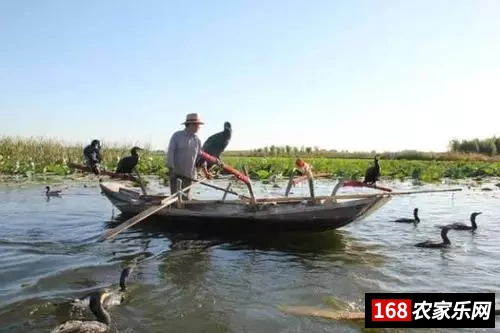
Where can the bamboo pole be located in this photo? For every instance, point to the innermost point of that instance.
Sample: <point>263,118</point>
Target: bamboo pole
<point>141,183</point>
<point>179,193</point>
<point>290,182</point>
<point>327,198</point>
<point>228,188</point>
<point>337,186</point>
<point>310,180</point>
<point>352,196</point>
<point>249,184</point>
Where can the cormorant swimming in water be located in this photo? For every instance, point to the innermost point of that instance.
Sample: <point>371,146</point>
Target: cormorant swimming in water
<point>49,193</point>
<point>128,163</point>
<point>462,226</point>
<point>78,326</point>
<point>217,143</point>
<point>92,155</point>
<point>372,173</point>
<point>432,244</point>
<point>113,296</point>
<point>116,297</point>
<point>414,220</point>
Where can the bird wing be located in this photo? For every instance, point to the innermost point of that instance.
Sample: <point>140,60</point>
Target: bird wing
<point>126,164</point>
<point>368,172</point>
<point>119,166</point>
<point>210,141</point>
<point>404,219</point>
<point>225,144</point>
<point>213,144</point>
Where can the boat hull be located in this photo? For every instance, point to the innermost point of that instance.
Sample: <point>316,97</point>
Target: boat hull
<point>238,216</point>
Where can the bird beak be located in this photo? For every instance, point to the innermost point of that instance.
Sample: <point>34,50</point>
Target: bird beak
<point>104,296</point>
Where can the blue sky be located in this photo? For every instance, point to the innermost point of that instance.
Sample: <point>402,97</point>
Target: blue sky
<point>356,75</point>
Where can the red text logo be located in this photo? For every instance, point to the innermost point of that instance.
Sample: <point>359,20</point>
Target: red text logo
<point>391,310</point>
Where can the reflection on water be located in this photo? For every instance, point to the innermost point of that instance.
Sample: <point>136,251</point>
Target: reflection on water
<point>232,283</point>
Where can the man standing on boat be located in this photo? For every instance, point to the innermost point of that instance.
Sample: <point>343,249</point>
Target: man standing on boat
<point>183,151</point>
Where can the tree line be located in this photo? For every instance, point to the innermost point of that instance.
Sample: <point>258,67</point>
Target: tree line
<point>476,149</point>
<point>488,146</point>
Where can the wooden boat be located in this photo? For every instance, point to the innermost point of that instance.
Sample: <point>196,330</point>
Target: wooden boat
<point>283,214</point>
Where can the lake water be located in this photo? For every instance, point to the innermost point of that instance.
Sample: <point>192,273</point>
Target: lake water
<point>50,254</point>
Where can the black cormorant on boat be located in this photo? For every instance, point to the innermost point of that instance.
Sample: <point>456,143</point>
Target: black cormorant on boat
<point>55,193</point>
<point>217,143</point>
<point>413,220</point>
<point>463,226</point>
<point>372,173</point>
<point>79,326</point>
<point>128,163</point>
<point>92,155</point>
<point>433,244</point>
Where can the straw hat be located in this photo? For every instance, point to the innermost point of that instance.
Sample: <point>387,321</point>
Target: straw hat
<point>193,118</point>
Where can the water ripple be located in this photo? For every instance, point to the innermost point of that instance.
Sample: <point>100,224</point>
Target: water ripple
<point>50,252</point>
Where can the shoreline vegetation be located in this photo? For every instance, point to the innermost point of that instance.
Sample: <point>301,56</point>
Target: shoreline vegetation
<point>475,159</point>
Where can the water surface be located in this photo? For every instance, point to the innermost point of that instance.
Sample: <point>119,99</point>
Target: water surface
<point>50,254</point>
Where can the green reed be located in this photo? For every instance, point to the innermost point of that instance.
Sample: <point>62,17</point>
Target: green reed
<point>20,156</point>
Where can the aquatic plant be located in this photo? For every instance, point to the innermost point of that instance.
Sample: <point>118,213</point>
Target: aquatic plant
<point>21,156</point>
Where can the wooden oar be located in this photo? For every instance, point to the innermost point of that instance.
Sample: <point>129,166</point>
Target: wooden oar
<point>353,196</point>
<point>323,313</point>
<point>241,196</point>
<point>146,213</point>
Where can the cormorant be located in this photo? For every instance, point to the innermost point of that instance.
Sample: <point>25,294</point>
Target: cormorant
<point>217,143</point>
<point>372,173</point>
<point>113,296</point>
<point>432,244</point>
<point>49,193</point>
<point>92,155</point>
<point>462,226</point>
<point>128,163</point>
<point>80,326</point>
<point>414,220</point>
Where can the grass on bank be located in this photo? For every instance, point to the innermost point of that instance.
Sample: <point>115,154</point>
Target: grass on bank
<point>20,156</point>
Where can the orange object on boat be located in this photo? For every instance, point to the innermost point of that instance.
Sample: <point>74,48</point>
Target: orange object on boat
<point>300,163</point>
<point>304,168</point>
